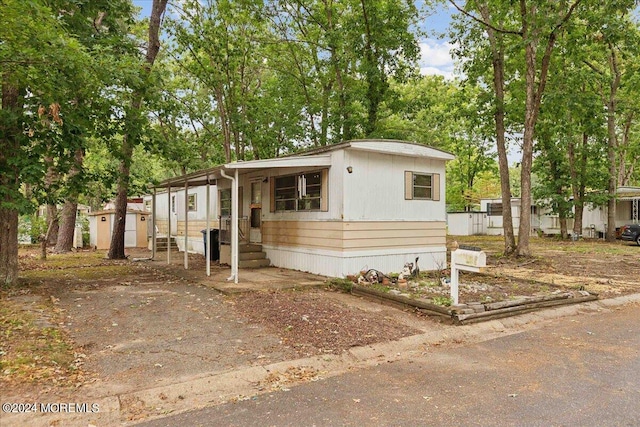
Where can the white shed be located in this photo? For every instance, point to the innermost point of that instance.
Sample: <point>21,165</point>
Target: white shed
<point>466,223</point>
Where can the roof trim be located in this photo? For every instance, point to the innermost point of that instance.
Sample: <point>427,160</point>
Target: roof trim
<point>112,211</point>
<point>282,162</point>
<point>310,158</point>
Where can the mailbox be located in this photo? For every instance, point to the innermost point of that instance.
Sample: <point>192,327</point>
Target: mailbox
<point>472,259</point>
<point>469,260</point>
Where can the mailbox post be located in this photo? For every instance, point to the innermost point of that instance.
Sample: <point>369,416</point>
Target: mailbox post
<point>471,259</point>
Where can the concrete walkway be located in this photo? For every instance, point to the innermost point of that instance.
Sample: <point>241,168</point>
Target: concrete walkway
<point>250,279</point>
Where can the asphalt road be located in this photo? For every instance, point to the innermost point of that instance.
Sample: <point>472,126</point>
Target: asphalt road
<point>576,371</point>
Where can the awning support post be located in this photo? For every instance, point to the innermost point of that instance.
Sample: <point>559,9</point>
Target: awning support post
<point>186,224</point>
<point>234,224</point>
<point>153,225</point>
<point>169,225</point>
<point>207,250</point>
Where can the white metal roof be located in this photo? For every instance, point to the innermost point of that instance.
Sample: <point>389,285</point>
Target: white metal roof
<point>311,158</point>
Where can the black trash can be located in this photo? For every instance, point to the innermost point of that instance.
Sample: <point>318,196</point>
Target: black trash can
<point>214,235</point>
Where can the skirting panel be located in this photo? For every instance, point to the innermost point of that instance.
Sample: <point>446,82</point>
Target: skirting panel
<point>194,244</point>
<point>341,264</point>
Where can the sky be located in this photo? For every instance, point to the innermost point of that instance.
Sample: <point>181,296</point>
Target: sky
<point>435,56</point>
<point>434,52</point>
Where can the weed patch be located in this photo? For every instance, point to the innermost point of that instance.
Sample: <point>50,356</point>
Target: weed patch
<point>31,352</point>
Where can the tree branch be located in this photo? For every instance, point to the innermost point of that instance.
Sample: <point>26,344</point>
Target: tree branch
<point>483,22</point>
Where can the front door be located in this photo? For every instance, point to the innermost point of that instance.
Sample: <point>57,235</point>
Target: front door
<point>173,214</point>
<point>255,233</point>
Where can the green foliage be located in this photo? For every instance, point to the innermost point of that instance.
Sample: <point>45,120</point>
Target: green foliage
<point>83,221</point>
<point>443,114</point>
<point>442,300</point>
<point>344,285</point>
<point>32,226</point>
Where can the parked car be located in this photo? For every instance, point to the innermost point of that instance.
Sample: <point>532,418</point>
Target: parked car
<point>631,233</point>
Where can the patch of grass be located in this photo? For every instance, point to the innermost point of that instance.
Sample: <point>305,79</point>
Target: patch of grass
<point>380,288</point>
<point>442,300</point>
<point>30,259</point>
<point>344,285</point>
<point>33,353</point>
<point>79,273</point>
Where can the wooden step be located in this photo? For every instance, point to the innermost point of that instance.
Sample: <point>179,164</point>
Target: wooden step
<point>250,247</point>
<point>247,256</point>
<point>161,244</point>
<point>254,263</point>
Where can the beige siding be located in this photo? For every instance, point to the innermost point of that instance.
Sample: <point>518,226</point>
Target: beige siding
<point>314,234</point>
<point>141,230</point>
<point>194,227</point>
<point>338,235</point>
<point>104,231</point>
<point>163,226</point>
<point>396,234</point>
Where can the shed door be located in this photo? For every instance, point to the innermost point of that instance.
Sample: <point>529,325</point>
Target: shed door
<point>173,214</point>
<point>130,227</point>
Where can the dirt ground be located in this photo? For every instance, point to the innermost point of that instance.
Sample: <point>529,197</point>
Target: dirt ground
<point>607,269</point>
<point>556,267</point>
<point>81,325</point>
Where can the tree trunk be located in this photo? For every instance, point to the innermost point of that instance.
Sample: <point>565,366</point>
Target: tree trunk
<point>564,232</point>
<point>64,242</point>
<point>374,77</point>
<point>344,133</point>
<point>8,246</point>
<point>52,223</point>
<point>612,147</point>
<point>626,171</point>
<point>44,239</point>
<point>10,183</point>
<point>503,161</point>
<point>611,157</point>
<point>577,182</point>
<point>116,249</point>
<point>534,90</point>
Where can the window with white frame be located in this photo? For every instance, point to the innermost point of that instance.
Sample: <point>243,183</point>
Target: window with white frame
<point>421,186</point>
<point>192,202</point>
<point>300,192</point>
<point>225,202</point>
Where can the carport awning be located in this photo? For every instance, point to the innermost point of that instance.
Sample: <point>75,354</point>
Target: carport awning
<point>211,175</point>
<point>231,171</point>
<point>628,193</point>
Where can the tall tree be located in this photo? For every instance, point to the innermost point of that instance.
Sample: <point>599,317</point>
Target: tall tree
<point>536,24</point>
<point>613,50</point>
<point>443,113</point>
<point>132,128</point>
<point>42,64</point>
